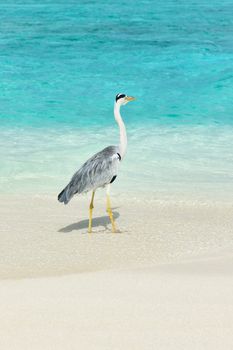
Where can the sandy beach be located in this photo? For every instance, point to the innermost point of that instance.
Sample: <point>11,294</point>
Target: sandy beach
<point>41,237</point>
<point>164,281</point>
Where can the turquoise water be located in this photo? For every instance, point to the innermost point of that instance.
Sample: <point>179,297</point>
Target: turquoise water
<point>62,63</point>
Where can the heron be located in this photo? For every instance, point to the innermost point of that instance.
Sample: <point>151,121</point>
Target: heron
<point>101,169</point>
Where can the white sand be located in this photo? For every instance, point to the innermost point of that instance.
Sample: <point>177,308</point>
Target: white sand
<point>164,282</point>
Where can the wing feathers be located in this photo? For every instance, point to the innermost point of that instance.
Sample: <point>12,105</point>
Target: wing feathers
<point>96,172</point>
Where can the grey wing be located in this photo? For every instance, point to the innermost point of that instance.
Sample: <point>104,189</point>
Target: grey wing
<point>97,171</point>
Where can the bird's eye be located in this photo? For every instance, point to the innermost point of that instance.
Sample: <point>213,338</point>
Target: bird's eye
<point>118,96</point>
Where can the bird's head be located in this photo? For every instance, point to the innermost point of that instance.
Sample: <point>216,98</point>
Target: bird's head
<point>122,99</point>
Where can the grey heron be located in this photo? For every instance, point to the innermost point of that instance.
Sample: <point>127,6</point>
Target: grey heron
<point>101,169</point>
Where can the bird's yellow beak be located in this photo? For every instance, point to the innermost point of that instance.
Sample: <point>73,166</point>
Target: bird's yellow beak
<point>130,98</point>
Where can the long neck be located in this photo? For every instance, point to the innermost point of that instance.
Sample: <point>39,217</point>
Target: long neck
<point>123,135</point>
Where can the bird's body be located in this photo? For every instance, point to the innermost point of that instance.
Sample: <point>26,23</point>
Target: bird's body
<point>101,169</point>
<point>98,171</point>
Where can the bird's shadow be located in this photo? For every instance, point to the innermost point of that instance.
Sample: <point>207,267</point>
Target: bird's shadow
<point>103,221</point>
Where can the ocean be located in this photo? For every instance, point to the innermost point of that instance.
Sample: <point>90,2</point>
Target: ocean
<point>63,62</point>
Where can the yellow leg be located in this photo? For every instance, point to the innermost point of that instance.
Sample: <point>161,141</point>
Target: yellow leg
<point>90,212</point>
<point>109,210</point>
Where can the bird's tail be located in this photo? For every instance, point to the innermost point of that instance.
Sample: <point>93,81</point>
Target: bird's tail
<point>63,196</point>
